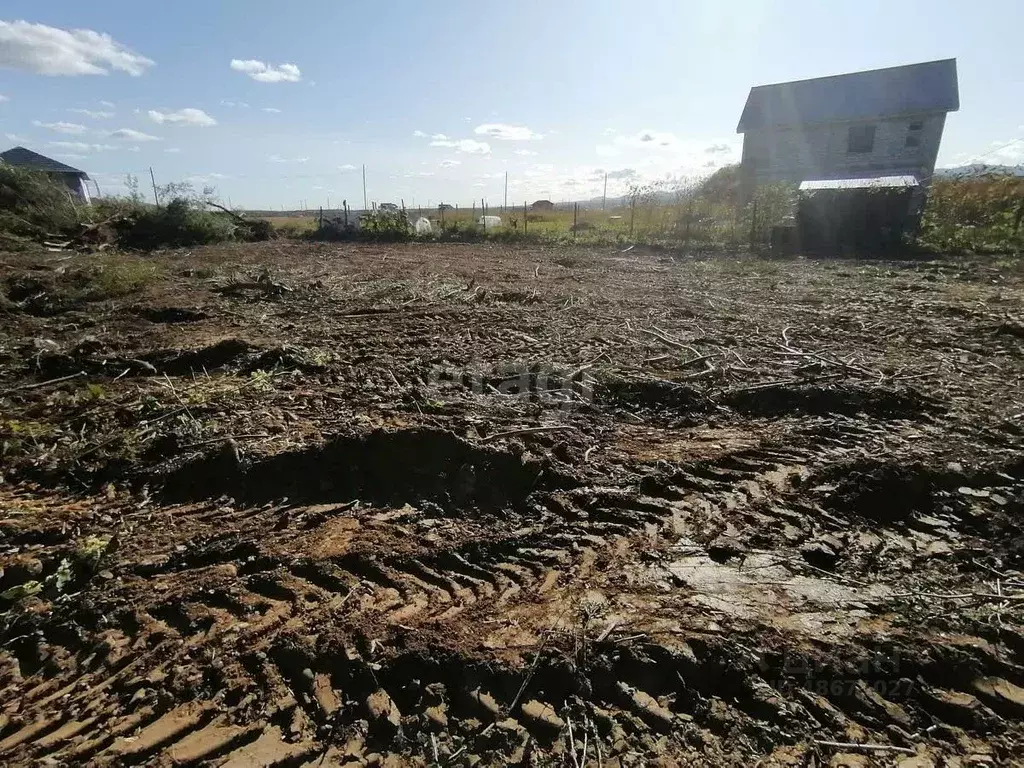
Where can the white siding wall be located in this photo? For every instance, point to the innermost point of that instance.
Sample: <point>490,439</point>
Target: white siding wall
<point>820,151</point>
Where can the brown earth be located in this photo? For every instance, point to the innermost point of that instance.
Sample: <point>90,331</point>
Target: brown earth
<point>315,505</point>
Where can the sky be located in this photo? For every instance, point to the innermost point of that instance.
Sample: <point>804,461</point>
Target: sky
<point>282,106</point>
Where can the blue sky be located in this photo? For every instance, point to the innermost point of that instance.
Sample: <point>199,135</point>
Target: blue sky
<point>277,104</point>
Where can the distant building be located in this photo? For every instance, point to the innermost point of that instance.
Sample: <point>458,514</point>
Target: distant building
<point>542,205</point>
<point>74,179</point>
<point>878,123</point>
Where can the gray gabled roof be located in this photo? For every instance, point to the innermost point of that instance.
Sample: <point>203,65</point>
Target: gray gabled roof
<point>915,88</point>
<point>26,158</point>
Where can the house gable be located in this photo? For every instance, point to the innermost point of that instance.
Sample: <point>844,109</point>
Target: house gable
<point>891,92</point>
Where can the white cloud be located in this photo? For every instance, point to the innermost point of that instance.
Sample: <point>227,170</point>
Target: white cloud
<point>4,98</point>
<point>418,174</point>
<point>107,104</point>
<point>419,134</point>
<point>267,73</point>
<point>96,114</point>
<point>1005,153</point>
<point>16,138</point>
<point>469,146</point>
<point>205,178</point>
<point>538,170</point>
<point>271,110</point>
<point>657,153</point>
<point>81,146</point>
<point>450,163</point>
<point>1009,152</point>
<point>506,132</point>
<point>129,134</point>
<point>525,152</point>
<point>623,174</point>
<point>172,150</point>
<point>439,137</point>
<point>187,116</point>
<point>134,149</point>
<point>70,156</point>
<point>240,104</point>
<point>47,50</point>
<point>279,159</point>
<point>648,139</point>
<point>60,127</point>
<point>346,167</point>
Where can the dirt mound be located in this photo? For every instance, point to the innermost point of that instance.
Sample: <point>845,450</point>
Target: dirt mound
<point>384,467</point>
<point>228,354</point>
<point>658,396</point>
<point>824,400</point>
<point>651,395</point>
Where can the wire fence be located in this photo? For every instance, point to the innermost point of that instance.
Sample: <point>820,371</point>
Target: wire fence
<point>686,215</point>
<point>970,213</point>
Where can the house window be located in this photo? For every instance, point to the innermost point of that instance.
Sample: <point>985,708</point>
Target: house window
<point>913,141</point>
<point>860,139</point>
<point>917,125</point>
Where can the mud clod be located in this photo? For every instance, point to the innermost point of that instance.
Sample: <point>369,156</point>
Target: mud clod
<point>543,717</point>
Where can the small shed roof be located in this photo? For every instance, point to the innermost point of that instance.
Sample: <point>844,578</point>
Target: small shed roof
<point>927,87</point>
<point>26,158</point>
<point>874,182</point>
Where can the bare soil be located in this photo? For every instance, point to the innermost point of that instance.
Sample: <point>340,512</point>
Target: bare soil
<point>287,504</point>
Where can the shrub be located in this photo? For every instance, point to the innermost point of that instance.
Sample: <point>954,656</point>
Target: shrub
<point>180,223</point>
<point>34,205</point>
<point>975,214</point>
<point>385,225</point>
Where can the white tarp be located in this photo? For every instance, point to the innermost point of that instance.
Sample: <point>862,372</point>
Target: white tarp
<point>490,222</point>
<point>422,226</point>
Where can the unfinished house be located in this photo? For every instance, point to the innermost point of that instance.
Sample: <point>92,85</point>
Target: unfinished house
<point>852,135</point>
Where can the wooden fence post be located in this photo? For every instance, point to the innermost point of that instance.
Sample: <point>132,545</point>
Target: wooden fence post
<point>526,221</point>
<point>575,218</point>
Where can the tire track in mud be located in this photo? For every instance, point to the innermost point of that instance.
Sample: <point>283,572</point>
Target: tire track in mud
<point>252,650</point>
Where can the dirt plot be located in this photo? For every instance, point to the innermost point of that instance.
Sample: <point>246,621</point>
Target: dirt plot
<point>284,504</point>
